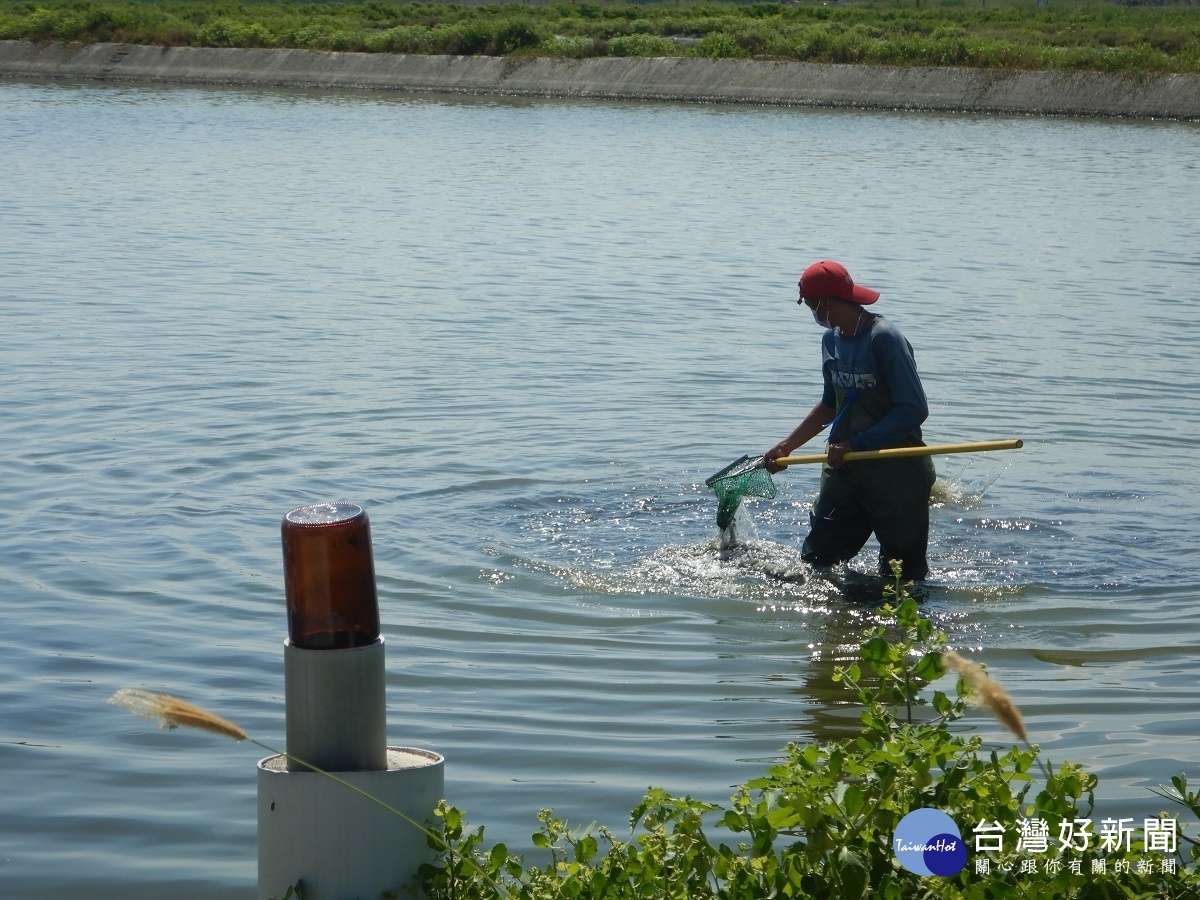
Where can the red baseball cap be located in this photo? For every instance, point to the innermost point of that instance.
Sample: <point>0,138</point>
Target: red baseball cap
<point>830,279</point>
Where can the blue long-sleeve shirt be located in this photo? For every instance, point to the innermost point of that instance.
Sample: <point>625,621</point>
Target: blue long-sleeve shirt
<point>877,364</point>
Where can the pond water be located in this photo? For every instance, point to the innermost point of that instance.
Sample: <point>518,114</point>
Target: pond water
<point>520,335</point>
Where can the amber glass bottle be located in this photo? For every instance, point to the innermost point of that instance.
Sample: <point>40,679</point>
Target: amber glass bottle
<point>329,577</point>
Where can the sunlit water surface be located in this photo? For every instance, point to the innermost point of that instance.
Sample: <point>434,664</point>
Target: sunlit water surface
<point>521,334</point>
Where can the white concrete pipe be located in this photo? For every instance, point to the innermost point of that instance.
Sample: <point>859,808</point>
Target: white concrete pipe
<point>336,843</point>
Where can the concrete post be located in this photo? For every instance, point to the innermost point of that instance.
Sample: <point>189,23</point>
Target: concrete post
<point>313,829</point>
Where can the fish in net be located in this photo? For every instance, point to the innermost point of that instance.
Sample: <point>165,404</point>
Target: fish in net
<point>746,477</point>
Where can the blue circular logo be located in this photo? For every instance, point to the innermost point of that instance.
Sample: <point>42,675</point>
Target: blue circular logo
<point>927,842</point>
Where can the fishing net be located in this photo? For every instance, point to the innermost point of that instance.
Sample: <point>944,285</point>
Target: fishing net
<point>744,478</point>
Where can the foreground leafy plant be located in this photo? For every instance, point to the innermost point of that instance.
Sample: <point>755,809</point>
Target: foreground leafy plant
<point>821,823</point>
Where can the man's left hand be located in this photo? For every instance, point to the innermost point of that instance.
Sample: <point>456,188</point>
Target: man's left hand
<point>837,454</point>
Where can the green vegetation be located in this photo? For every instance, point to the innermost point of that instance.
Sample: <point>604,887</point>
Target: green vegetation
<point>821,823</point>
<point>1063,35</point>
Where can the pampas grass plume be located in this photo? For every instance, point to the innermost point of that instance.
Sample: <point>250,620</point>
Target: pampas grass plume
<point>171,712</point>
<point>987,692</point>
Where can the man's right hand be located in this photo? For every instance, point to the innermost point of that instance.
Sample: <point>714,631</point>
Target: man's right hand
<point>773,454</point>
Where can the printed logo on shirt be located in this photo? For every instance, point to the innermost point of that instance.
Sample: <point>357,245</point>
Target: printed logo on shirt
<point>856,380</point>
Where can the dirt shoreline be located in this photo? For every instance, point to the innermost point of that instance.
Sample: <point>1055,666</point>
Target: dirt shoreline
<point>751,82</point>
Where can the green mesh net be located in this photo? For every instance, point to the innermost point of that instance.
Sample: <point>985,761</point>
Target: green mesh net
<point>745,477</point>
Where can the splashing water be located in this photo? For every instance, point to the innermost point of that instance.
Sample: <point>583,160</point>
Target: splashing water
<point>958,490</point>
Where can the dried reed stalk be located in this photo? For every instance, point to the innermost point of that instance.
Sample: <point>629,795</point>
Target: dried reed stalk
<point>987,692</point>
<point>171,712</point>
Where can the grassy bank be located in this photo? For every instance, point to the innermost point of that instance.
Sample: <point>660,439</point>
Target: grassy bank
<point>1079,35</point>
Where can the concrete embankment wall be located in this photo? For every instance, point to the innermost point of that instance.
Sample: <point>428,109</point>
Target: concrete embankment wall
<point>664,79</point>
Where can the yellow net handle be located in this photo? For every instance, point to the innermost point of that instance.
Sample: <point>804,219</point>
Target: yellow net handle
<point>897,452</point>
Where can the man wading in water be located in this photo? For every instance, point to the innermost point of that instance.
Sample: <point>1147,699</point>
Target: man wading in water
<point>873,399</point>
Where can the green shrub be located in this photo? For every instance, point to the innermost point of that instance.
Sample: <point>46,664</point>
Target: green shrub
<point>468,38</point>
<point>512,35</point>
<point>226,32</point>
<point>573,47</point>
<point>719,45</point>
<point>647,45</point>
<point>42,24</point>
<point>476,37</point>
<point>322,36</point>
<point>1189,58</point>
<point>401,39</point>
<point>764,10</point>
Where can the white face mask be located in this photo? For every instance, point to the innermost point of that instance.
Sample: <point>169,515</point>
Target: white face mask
<point>824,323</point>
